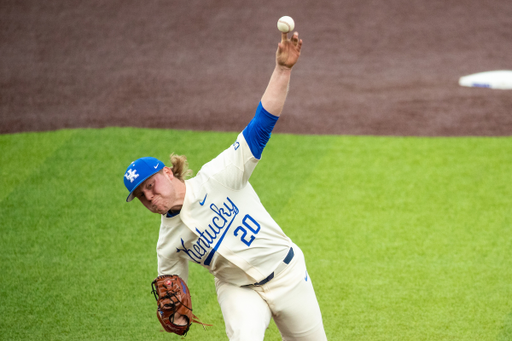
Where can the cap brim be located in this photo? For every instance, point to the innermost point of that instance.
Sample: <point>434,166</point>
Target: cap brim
<point>130,197</point>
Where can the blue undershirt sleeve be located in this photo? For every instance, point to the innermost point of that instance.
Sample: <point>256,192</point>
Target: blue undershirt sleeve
<point>258,131</point>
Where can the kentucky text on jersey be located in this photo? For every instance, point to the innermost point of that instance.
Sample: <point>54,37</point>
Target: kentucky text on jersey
<point>222,219</point>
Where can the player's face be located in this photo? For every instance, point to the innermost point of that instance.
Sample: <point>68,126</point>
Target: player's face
<point>159,193</point>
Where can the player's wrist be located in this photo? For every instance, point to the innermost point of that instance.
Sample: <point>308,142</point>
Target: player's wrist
<point>283,68</point>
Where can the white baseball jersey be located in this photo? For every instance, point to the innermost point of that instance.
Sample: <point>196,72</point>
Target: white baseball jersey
<point>222,225</point>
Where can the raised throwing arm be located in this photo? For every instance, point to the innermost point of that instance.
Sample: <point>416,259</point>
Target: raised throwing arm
<point>288,52</point>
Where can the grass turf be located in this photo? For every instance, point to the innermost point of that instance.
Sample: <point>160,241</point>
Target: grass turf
<point>405,238</point>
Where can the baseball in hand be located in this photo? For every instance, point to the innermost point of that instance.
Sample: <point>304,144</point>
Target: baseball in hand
<point>285,24</point>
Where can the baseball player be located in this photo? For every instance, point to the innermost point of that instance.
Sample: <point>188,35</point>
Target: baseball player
<point>216,220</point>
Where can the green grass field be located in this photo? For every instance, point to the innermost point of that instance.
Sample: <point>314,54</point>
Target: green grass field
<point>405,238</point>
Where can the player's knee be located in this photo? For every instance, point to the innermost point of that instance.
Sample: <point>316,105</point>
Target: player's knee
<point>245,328</point>
<point>246,334</point>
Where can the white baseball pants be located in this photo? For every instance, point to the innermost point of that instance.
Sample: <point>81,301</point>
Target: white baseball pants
<point>289,298</point>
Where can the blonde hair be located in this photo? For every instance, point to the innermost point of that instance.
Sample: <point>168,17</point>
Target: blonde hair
<point>179,166</point>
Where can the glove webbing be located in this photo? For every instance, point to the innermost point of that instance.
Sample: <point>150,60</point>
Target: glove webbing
<point>169,295</point>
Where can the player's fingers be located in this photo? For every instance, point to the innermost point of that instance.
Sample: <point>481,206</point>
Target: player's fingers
<point>295,38</point>
<point>284,37</point>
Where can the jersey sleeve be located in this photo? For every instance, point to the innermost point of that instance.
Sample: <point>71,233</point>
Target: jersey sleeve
<point>168,239</point>
<point>176,266</point>
<point>234,166</point>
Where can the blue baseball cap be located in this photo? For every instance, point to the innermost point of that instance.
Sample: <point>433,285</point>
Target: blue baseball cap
<point>140,170</point>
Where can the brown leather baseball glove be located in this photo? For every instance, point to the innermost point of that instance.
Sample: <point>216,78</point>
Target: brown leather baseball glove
<point>173,301</point>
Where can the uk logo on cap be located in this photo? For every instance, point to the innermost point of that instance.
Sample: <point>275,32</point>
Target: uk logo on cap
<point>131,175</point>
<point>139,171</point>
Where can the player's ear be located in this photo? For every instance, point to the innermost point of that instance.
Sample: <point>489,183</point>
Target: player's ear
<point>168,172</point>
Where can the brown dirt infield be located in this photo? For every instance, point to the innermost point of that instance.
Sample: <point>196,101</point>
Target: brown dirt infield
<point>367,68</point>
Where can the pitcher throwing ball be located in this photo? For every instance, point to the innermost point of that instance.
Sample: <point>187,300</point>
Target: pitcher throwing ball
<point>216,220</point>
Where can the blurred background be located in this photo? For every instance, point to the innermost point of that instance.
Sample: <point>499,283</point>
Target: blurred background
<point>367,68</point>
